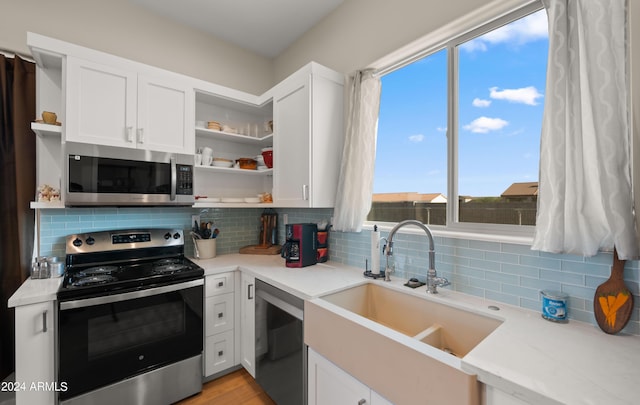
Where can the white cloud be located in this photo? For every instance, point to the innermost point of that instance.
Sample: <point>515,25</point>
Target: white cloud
<point>416,138</point>
<point>524,95</point>
<point>441,129</point>
<point>478,102</point>
<point>520,32</point>
<point>483,125</point>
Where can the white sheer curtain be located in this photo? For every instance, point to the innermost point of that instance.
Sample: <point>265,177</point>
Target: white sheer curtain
<point>585,200</point>
<point>355,187</point>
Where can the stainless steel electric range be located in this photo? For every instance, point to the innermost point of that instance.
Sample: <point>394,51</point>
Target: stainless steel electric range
<point>130,319</point>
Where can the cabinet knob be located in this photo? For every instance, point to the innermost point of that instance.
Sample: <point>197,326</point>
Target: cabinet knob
<point>362,401</point>
<point>140,135</point>
<point>129,134</point>
<point>44,322</point>
<point>220,353</point>
<point>220,315</point>
<point>221,284</point>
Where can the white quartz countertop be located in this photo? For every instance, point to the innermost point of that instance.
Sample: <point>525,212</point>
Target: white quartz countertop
<point>34,291</point>
<point>533,359</point>
<point>306,282</point>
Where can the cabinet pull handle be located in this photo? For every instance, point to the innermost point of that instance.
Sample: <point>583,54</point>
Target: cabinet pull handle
<point>140,135</point>
<point>129,134</point>
<point>221,283</point>
<point>221,315</point>
<point>249,291</point>
<point>362,401</point>
<point>305,192</point>
<point>220,353</point>
<point>44,322</point>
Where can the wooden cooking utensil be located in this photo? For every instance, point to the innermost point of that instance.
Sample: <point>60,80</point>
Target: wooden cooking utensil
<point>266,237</point>
<point>613,302</point>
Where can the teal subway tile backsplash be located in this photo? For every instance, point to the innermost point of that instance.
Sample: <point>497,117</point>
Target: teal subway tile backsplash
<point>504,272</point>
<point>238,227</point>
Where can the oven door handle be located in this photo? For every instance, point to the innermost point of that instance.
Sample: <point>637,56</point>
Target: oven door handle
<point>89,302</point>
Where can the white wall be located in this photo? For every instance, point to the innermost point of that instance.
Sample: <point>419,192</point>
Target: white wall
<point>360,32</point>
<point>121,28</point>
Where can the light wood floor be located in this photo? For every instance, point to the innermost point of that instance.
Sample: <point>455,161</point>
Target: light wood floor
<point>233,389</point>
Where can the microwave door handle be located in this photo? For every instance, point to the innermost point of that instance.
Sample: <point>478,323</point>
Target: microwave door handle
<point>174,178</point>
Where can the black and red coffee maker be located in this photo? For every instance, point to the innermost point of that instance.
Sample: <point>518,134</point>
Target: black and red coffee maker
<point>300,247</point>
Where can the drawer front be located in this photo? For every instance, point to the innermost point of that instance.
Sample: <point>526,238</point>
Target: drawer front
<point>219,284</point>
<point>219,314</point>
<point>218,352</point>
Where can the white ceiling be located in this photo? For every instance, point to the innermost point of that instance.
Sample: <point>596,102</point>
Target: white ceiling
<point>266,27</point>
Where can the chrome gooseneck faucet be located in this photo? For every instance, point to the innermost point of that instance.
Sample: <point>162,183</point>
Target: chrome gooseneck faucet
<point>433,281</point>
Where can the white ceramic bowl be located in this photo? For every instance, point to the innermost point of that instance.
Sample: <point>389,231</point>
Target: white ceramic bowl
<point>222,163</point>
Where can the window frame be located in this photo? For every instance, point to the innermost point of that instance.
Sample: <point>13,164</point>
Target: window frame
<point>450,38</point>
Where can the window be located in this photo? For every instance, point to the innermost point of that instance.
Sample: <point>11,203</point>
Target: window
<point>459,129</point>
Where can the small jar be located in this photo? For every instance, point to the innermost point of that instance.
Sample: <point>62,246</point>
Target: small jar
<point>40,268</point>
<point>56,266</point>
<point>554,306</point>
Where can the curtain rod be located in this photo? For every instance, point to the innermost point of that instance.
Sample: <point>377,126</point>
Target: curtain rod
<point>10,54</point>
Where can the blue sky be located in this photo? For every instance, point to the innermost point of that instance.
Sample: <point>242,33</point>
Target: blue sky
<point>501,97</point>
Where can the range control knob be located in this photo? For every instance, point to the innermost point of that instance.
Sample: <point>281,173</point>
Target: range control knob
<point>176,235</point>
<point>90,241</point>
<point>77,242</point>
<point>167,235</point>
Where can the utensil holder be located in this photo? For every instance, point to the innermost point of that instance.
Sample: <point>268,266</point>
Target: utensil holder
<point>206,248</point>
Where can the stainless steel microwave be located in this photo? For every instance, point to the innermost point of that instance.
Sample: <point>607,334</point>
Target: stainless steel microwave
<point>105,175</point>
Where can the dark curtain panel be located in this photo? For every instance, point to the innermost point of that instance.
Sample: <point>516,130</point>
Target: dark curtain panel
<point>17,188</point>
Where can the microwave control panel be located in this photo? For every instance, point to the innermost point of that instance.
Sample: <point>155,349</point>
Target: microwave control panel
<point>184,184</point>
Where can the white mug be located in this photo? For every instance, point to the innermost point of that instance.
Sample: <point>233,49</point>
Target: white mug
<point>207,151</point>
<point>206,160</point>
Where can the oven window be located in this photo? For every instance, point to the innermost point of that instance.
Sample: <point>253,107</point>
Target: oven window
<point>124,330</point>
<point>88,174</point>
<point>105,343</point>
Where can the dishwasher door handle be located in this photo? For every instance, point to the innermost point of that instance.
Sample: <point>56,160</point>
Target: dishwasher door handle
<point>279,303</point>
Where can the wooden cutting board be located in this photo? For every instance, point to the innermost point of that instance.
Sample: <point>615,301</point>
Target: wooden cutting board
<point>261,250</point>
<point>613,302</point>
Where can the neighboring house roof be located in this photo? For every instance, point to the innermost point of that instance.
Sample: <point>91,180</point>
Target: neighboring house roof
<point>529,189</point>
<point>410,196</point>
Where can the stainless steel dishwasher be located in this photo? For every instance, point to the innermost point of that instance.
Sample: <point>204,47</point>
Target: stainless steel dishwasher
<point>281,355</point>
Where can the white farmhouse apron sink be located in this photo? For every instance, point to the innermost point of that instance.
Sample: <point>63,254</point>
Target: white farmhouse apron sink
<point>404,345</point>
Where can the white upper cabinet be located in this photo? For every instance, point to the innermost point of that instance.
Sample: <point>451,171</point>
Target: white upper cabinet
<point>308,123</point>
<point>103,99</point>
<point>109,105</point>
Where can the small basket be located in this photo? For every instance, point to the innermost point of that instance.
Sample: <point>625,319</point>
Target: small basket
<point>247,163</point>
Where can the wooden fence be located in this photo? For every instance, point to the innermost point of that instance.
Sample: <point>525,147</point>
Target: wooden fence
<point>511,213</point>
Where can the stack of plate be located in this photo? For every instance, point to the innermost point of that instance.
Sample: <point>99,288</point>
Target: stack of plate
<point>215,125</point>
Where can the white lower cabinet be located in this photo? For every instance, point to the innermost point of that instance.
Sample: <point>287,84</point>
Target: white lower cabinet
<point>330,385</point>
<point>247,323</point>
<point>35,348</point>
<point>219,324</point>
<point>219,351</point>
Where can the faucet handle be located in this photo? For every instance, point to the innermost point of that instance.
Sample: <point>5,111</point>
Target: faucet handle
<point>441,282</point>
